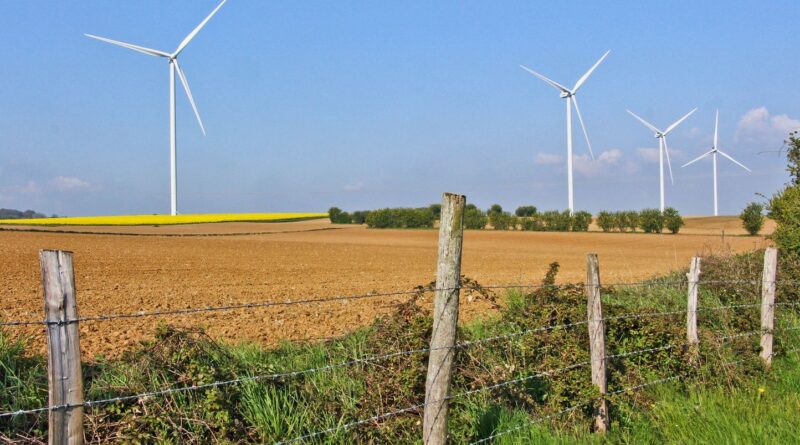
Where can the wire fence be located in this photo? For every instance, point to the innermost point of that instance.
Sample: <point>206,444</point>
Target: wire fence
<point>526,375</point>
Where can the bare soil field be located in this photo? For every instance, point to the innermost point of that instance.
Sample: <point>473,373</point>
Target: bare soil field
<point>296,261</point>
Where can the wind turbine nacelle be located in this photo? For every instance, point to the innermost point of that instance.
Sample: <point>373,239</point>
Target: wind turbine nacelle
<point>565,94</point>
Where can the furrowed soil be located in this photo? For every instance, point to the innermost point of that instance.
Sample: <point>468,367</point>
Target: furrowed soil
<point>235,263</point>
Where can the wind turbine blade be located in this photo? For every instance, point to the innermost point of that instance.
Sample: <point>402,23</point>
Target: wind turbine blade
<point>580,119</point>
<point>669,163</point>
<point>734,161</point>
<point>189,94</point>
<point>196,30</point>
<point>716,127</point>
<point>647,124</point>
<point>672,127</point>
<point>580,81</point>
<point>141,49</point>
<point>698,158</point>
<point>552,83</point>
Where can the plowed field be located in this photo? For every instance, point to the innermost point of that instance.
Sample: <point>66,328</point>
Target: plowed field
<point>251,262</point>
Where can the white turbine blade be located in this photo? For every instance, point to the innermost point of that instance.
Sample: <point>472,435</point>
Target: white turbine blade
<point>580,81</point>
<point>647,124</point>
<point>734,161</point>
<point>672,127</point>
<point>716,127</point>
<point>189,94</point>
<point>669,163</point>
<point>698,158</point>
<point>196,30</point>
<point>580,119</point>
<point>141,49</point>
<point>552,83</point>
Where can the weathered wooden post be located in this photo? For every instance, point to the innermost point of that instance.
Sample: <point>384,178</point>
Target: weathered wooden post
<point>445,319</point>
<point>63,348</point>
<point>693,277</point>
<point>597,339</point>
<point>768,303</point>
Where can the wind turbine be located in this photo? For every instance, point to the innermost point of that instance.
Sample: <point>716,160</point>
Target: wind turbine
<point>569,95</point>
<point>662,148</point>
<point>713,153</point>
<point>172,59</point>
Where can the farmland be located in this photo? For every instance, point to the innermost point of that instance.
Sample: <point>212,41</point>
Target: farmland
<point>307,259</point>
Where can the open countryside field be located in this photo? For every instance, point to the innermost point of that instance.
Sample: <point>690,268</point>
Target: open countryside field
<point>302,260</point>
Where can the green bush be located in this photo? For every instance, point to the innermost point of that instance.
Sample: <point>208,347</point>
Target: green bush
<point>753,218</point>
<point>651,221</point>
<point>359,216</point>
<point>436,209</point>
<point>784,206</point>
<point>631,218</point>
<point>503,221</point>
<point>495,208</point>
<point>607,221</point>
<point>673,220</point>
<point>524,211</point>
<point>400,218</point>
<point>474,218</point>
<point>337,216</point>
<point>581,221</point>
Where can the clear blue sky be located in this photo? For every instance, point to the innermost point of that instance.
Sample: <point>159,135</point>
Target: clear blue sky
<point>371,104</point>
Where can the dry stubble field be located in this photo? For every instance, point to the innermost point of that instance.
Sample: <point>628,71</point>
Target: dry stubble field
<point>257,262</point>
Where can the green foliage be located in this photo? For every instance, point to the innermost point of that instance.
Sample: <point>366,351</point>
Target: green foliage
<point>337,216</point>
<point>793,156</point>
<point>651,221</point>
<point>436,209</point>
<point>503,221</point>
<point>673,220</point>
<point>525,211</point>
<point>784,206</point>
<point>581,221</point>
<point>752,218</point>
<point>359,216</point>
<point>495,208</point>
<point>474,218</point>
<point>630,219</point>
<point>400,218</point>
<point>607,221</point>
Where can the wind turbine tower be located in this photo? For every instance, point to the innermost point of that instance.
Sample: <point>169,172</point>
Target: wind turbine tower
<point>713,153</point>
<point>572,99</point>
<point>174,67</point>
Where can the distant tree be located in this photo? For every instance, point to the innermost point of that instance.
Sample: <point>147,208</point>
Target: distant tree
<point>474,218</point>
<point>581,221</point>
<point>752,218</point>
<point>673,220</point>
<point>525,211</point>
<point>359,216</point>
<point>470,207</point>
<point>651,221</point>
<point>631,219</point>
<point>436,209</point>
<point>784,206</point>
<point>495,208</point>
<point>337,216</point>
<point>606,221</point>
<point>502,220</point>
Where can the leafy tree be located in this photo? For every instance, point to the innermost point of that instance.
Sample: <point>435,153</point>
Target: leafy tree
<point>784,206</point>
<point>631,218</point>
<point>581,221</point>
<point>606,221</point>
<point>495,208</point>
<point>474,218</point>
<point>502,221</point>
<point>752,218</point>
<point>651,221</point>
<point>337,216</point>
<point>436,209</point>
<point>525,211</point>
<point>673,220</point>
<point>359,216</point>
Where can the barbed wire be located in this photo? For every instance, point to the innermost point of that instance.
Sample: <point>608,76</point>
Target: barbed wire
<point>739,335</point>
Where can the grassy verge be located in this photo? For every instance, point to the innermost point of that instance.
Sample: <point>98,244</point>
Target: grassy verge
<point>717,402</point>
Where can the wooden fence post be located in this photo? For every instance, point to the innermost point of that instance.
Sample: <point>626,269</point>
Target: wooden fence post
<point>691,306</point>
<point>63,348</point>
<point>597,339</point>
<point>768,303</point>
<point>445,319</point>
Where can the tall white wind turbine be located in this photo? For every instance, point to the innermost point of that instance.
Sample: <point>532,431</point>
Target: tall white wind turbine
<point>662,149</point>
<point>713,153</point>
<point>172,59</point>
<point>569,95</point>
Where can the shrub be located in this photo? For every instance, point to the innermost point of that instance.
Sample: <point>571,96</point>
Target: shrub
<point>502,221</point>
<point>474,218</point>
<point>337,216</point>
<point>359,216</point>
<point>401,218</point>
<point>631,218</point>
<point>436,209</point>
<point>524,211</point>
<point>581,221</point>
<point>752,218</point>
<point>651,221</point>
<point>784,206</point>
<point>495,208</point>
<point>606,221</point>
<point>673,220</point>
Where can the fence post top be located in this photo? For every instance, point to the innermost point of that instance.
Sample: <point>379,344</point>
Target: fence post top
<point>457,196</point>
<point>43,251</point>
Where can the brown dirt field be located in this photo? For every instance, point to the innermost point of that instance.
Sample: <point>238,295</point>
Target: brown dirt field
<point>124,274</point>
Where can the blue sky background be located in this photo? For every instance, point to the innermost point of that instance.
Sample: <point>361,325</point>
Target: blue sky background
<point>371,104</point>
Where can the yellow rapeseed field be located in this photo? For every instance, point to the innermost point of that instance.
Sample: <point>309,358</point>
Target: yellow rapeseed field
<point>150,220</point>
